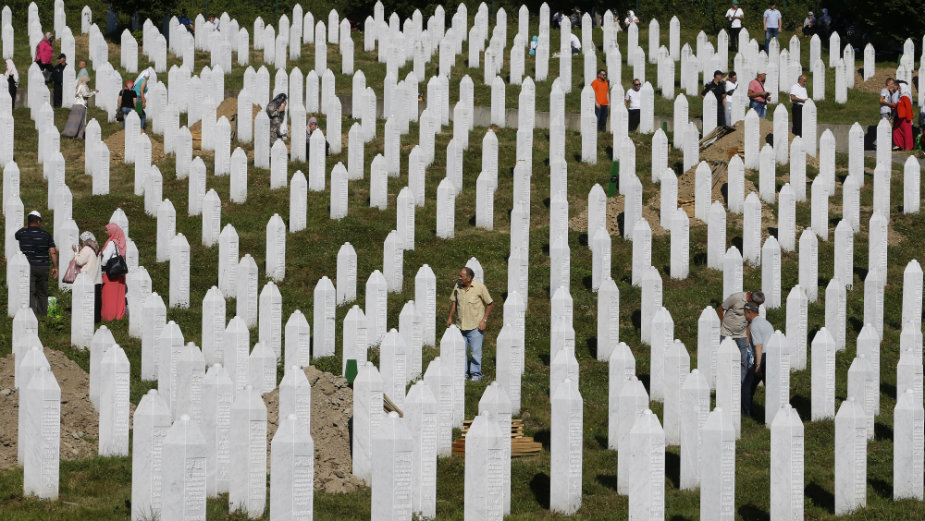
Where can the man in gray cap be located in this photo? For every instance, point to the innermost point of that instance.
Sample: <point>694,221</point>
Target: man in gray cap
<point>760,332</point>
<point>718,88</point>
<point>39,248</point>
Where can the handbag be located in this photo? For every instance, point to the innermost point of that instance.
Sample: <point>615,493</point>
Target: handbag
<point>71,274</point>
<point>116,266</point>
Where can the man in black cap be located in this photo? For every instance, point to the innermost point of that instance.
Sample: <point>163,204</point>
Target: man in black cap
<point>57,76</point>
<point>718,88</point>
<point>39,248</point>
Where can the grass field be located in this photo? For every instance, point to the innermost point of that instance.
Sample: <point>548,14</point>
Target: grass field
<point>99,488</point>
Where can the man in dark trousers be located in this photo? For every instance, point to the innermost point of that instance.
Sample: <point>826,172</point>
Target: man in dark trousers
<point>717,88</point>
<point>39,248</point>
<point>57,76</point>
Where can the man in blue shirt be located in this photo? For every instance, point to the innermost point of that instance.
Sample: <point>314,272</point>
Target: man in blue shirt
<point>772,24</point>
<point>39,248</point>
<point>760,332</point>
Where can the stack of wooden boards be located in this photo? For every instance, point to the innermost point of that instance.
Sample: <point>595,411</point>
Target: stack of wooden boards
<point>520,444</point>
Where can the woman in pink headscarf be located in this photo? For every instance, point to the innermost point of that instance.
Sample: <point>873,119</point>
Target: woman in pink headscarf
<point>113,286</point>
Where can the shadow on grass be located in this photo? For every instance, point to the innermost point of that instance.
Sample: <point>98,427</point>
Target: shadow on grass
<point>608,480</point>
<point>591,343</point>
<point>753,513</point>
<point>543,437</point>
<point>539,485</point>
<point>802,405</point>
<point>882,488</point>
<point>673,468</point>
<point>883,431</point>
<point>602,441</point>
<point>820,497</point>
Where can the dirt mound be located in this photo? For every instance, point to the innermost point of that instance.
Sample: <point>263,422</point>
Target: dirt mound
<point>615,217</point>
<point>116,144</point>
<point>877,81</point>
<point>79,420</point>
<point>332,407</point>
<point>229,109</point>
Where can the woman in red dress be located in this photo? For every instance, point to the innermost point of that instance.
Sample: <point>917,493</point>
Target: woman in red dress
<point>902,125</point>
<point>114,287</point>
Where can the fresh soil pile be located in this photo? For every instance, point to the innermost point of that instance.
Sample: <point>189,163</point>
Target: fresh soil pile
<point>615,217</point>
<point>332,408</point>
<point>878,80</point>
<point>116,144</point>
<point>79,419</point>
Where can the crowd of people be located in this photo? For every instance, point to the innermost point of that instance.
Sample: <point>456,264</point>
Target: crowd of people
<point>896,107</point>
<point>106,267</point>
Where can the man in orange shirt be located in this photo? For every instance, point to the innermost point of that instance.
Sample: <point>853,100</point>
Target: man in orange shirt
<point>601,99</point>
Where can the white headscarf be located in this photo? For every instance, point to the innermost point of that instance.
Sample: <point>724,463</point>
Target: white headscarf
<point>905,90</point>
<point>145,74</point>
<point>11,71</point>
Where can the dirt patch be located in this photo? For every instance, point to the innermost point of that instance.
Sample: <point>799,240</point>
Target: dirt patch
<point>227,108</point>
<point>116,144</point>
<point>734,143</point>
<point>615,217</point>
<point>79,419</point>
<point>877,81</point>
<point>332,407</point>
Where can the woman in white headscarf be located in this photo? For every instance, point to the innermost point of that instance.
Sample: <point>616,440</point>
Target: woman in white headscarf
<point>87,258</point>
<point>902,125</point>
<point>77,119</point>
<point>12,79</point>
<point>631,18</point>
<point>141,99</point>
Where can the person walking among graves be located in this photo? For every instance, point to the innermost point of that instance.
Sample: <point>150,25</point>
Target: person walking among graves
<point>77,119</point>
<point>276,109</point>
<point>902,125</point>
<point>809,24</point>
<point>734,17</point>
<point>126,102</point>
<point>633,100</point>
<point>43,53</point>
<point>82,70</point>
<point>601,88</point>
<point>57,77</point>
<point>471,299</point>
<point>798,97</point>
<point>760,332</point>
<point>631,18</point>
<point>886,99</point>
<point>773,21</point>
<point>733,323</point>
<point>40,249</point>
<point>757,96</point>
<point>717,88</point>
<point>87,258</point>
<point>113,294</point>
<point>140,86</point>
<point>309,130</point>
<point>12,80</point>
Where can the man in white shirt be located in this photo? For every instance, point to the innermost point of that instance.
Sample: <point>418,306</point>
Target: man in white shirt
<point>734,16</point>
<point>634,104</point>
<point>575,43</point>
<point>772,23</point>
<point>798,97</point>
<point>886,99</point>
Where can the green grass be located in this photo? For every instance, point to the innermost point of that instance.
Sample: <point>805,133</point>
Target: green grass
<point>99,488</point>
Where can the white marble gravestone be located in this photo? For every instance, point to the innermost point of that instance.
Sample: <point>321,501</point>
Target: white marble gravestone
<point>151,422</point>
<point>566,449</point>
<point>850,458</point>
<point>324,326</point>
<point>183,472</point>
<point>729,381</point>
<point>248,473</point>
<point>368,416</point>
<point>647,468</point>
<point>114,403</point>
<point>40,400</point>
<point>717,453</point>
<point>246,294</point>
<point>292,471</point>
<point>823,376</point>
<point>787,461</point>
<point>392,472</point>
<point>695,405</point>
